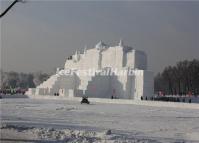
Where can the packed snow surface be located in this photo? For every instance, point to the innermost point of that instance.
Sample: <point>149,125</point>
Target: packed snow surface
<point>39,120</point>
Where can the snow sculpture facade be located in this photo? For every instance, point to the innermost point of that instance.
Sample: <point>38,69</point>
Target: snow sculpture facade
<point>102,72</point>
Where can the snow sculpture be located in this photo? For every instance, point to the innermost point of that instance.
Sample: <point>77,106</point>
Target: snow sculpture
<point>101,72</point>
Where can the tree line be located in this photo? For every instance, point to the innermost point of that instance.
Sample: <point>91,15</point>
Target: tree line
<point>21,80</point>
<point>181,79</point>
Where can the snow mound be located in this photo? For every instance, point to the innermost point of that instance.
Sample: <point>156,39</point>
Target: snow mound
<point>65,135</point>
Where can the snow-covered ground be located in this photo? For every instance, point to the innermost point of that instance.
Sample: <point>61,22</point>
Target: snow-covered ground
<point>49,120</point>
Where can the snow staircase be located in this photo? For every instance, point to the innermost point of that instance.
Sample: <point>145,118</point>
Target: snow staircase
<point>50,83</point>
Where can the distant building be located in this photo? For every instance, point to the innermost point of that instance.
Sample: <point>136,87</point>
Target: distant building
<point>102,72</point>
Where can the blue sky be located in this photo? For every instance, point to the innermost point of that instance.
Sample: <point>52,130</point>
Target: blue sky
<point>40,35</point>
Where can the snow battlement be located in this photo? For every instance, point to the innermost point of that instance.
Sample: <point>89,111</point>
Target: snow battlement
<point>103,56</point>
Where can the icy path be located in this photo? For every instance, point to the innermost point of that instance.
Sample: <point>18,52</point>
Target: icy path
<point>127,122</point>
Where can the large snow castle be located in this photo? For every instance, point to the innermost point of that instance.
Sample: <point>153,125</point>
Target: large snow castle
<point>102,72</point>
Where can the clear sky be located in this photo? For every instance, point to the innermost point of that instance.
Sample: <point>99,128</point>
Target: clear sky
<point>40,35</point>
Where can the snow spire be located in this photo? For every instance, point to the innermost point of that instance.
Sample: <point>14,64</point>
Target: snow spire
<point>77,55</point>
<point>85,49</point>
<point>121,44</point>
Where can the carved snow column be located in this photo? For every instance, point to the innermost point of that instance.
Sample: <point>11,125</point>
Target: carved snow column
<point>100,47</point>
<point>124,58</point>
<point>100,60</point>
